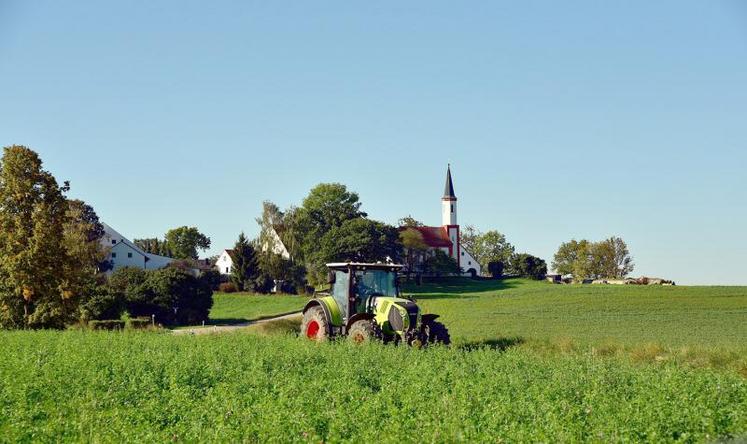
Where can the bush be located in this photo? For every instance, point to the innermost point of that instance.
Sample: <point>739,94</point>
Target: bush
<point>526,265</point>
<point>140,323</point>
<point>227,287</point>
<point>495,268</point>
<point>102,303</point>
<point>108,324</point>
<point>212,278</point>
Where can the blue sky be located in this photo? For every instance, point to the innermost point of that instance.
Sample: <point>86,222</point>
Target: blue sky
<point>560,119</point>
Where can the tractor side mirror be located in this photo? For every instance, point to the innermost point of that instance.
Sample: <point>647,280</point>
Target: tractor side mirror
<point>331,278</point>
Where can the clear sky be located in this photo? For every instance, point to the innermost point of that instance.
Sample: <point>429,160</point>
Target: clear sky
<point>560,119</point>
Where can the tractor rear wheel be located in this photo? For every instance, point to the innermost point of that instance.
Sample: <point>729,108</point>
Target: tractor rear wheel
<point>436,333</point>
<point>315,325</point>
<point>364,331</point>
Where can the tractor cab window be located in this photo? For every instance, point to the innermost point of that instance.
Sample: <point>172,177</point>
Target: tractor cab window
<point>375,283</point>
<point>340,290</point>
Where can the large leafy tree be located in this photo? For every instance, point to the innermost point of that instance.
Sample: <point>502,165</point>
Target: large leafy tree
<point>583,259</point>
<point>526,265</point>
<point>33,211</point>
<point>487,247</point>
<point>244,271</point>
<point>183,242</point>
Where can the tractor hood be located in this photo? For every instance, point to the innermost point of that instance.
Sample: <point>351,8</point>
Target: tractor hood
<point>398,313</point>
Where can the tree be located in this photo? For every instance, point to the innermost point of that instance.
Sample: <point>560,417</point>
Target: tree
<point>183,242</point>
<point>153,245</point>
<point>468,237</point>
<point>409,221</point>
<point>32,217</point>
<point>357,240</point>
<point>244,270</point>
<point>609,258</point>
<point>414,247</point>
<point>84,258</point>
<point>441,263</point>
<point>526,265</point>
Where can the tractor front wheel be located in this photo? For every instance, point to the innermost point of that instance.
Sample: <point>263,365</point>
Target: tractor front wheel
<point>364,331</point>
<point>315,325</point>
<point>436,333</point>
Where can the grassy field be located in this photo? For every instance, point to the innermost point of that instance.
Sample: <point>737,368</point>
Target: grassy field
<point>233,308</point>
<point>145,387</point>
<point>531,361</point>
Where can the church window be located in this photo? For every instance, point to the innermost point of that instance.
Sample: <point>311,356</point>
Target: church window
<point>452,208</point>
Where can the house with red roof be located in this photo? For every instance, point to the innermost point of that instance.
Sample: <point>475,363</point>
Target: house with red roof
<point>446,237</point>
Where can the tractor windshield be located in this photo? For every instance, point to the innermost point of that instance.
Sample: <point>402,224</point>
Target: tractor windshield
<point>375,283</point>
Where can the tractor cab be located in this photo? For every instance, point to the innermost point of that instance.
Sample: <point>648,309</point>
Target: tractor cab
<point>364,303</point>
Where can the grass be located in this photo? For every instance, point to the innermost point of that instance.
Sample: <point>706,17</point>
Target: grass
<point>141,387</point>
<point>531,361</point>
<point>234,308</point>
<point>699,326</point>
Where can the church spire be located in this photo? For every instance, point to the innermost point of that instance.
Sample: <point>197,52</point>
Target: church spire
<point>449,188</point>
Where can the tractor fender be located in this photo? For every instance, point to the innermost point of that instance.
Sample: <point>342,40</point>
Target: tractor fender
<point>330,309</point>
<point>357,317</point>
<point>428,318</point>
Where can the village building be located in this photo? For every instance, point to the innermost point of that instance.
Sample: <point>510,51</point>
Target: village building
<point>446,237</point>
<point>123,253</point>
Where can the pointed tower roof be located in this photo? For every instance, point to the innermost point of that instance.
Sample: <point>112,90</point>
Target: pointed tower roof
<point>449,188</point>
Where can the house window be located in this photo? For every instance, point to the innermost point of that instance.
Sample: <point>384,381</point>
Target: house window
<point>114,241</point>
<point>462,253</point>
<point>227,269</point>
<point>129,254</point>
<point>469,262</point>
<point>114,255</point>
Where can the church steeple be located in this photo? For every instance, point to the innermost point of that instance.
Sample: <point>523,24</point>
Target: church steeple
<point>449,202</point>
<point>449,187</point>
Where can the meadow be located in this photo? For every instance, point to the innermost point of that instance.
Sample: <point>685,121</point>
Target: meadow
<point>531,361</point>
<point>236,308</point>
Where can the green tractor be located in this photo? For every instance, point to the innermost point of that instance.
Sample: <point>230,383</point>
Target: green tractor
<point>364,304</point>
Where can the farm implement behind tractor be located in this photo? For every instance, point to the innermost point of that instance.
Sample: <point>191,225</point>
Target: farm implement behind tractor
<point>364,304</point>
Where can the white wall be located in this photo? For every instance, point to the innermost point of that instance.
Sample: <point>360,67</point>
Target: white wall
<point>466,261</point>
<point>448,217</point>
<point>122,255</point>
<point>224,264</point>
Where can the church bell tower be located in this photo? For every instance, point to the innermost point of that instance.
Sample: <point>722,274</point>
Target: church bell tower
<point>449,215</point>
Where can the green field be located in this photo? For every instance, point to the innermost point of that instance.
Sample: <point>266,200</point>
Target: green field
<point>234,308</point>
<point>531,362</point>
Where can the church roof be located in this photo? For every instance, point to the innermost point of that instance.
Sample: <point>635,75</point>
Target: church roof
<point>434,237</point>
<point>449,187</point>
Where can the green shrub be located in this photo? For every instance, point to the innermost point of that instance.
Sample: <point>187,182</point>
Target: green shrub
<point>141,323</point>
<point>107,324</point>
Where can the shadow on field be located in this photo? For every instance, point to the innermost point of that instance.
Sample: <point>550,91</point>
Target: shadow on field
<point>500,344</point>
<point>457,288</point>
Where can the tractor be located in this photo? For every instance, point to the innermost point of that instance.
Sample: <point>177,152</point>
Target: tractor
<point>364,303</point>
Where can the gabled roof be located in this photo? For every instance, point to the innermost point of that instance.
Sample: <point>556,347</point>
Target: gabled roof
<point>449,187</point>
<point>433,236</point>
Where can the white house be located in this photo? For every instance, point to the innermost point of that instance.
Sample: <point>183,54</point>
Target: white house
<point>224,264</point>
<point>447,236</point>
<point>123,253</point>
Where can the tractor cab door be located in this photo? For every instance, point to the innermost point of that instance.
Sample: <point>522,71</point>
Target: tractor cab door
<point>340,289</point>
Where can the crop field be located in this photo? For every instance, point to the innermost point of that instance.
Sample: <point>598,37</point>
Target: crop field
<point>531,362</point>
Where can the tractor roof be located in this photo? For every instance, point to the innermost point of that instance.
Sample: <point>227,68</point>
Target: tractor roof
<point>362,265</point>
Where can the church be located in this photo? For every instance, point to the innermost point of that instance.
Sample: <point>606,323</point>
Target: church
<point>447,237</point>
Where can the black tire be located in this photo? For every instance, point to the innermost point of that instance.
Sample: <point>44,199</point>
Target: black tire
<point>315,325</point>
<point>436,333</point>
<point>364,331</point>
